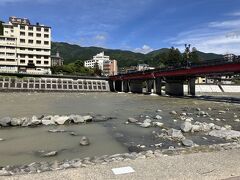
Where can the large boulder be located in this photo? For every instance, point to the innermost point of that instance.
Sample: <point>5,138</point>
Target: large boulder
<point>227,134</point>
<point>16,122</point>
<point>187,142</point>
<point>145,125</point>
<point>84,141</point>
<point>48,122</point>
<point>26,122</point>
<point>132,120</point>
<point>61,119</point>
<point>35,121</point>
<point>175,134</point>
<point>47,153</point>
<point>5,121</point>
<point>81,119</point>
<point>186,126</point>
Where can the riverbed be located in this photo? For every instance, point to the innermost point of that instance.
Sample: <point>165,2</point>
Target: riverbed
<point>109,137</point>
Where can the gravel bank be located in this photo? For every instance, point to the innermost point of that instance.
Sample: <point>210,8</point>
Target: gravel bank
<point>211,165</point>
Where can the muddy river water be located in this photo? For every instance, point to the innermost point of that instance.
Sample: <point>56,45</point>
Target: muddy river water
<point>110,137</point>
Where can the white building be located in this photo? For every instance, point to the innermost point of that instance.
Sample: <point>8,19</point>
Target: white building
<point>24,47</point>
<point>98,59</point>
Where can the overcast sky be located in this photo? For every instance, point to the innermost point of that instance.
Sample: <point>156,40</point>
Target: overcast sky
<point>136,25</point>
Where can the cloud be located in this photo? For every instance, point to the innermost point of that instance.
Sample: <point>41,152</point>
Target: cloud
<point>100,37</point>
<point>144,49</point>
<point>234,14</point>
<point>218,37</point>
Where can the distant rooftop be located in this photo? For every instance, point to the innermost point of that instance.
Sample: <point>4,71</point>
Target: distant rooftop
<point>16,20</point>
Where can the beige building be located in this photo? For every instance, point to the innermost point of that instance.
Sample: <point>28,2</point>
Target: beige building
<point>24,47</point>
<point>110,68</point>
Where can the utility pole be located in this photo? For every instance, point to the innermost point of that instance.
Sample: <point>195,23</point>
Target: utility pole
<point>187,51</point>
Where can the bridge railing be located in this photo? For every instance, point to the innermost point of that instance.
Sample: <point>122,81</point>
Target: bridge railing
<point>211,62</point>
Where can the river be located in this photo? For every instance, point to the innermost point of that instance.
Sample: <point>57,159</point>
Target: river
<point>110,137</point>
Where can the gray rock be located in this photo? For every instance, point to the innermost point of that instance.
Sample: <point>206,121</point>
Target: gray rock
<point>159,124</point>
<point>48,122</point>
<point>84,141</point>
<point>237,120</point>
<point>158,117</point>
<point>145,125</point>
<point>35,121</point>
<point>56,130</point>
<point>227,134</point>
<point>60,119</point>
<point>5,121</point>
<point>173,112</point>
<point>1,139</point>
<point>135,149</point>
<point>4,172</point>
<point>47,153</point>
<point>186,126</point>
<point>80,119</point>
<point>26,122</point>
<point>147,121</point>
<point>132,120</point>
<point>175,134</point>
<point>187,142</point>
<point>16,122</point>
<point>196,128</point>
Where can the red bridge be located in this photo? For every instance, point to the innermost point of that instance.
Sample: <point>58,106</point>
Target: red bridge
<point>174,77</point>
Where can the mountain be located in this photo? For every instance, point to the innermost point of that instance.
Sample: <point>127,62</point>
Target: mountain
<point>71,53</point>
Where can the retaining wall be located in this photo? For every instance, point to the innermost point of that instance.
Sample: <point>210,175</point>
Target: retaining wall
<point>53,84</point>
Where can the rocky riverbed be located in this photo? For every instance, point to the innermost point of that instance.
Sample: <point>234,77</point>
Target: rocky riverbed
<point>131,126</point>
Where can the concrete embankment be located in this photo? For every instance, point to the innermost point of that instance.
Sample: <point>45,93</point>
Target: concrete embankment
<point>211,88</point>
<point>53,84</point>
<point>211,165</point>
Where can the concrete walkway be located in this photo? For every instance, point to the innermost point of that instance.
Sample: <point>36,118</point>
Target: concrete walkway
<point>213,165</point>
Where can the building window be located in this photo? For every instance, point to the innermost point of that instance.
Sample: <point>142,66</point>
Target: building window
<point>38,50</point>
<point>45,57</point>
<point>30,41</point>
<point>46,35</point>
<point>45,62</point>
<point>30,56</point>
<point>10,39</point>
<point>2,39</point>
<point>30,34</point>
<point>2,59</point>
<point>38,62</point>
<point>39,28</point>
<point>30,61</point>
<point>22,40</point>
<point>10,54</point>
<point>22,61</point>
<point>30,28</point>
<point>22,33</point>
<point>38,35</point>
<point>11,60</point>
<point>30,49</point>
<point>38,57</point>
<point>46,42</point>
<point>22,55</point>
<point>46,50</point>
<point>22,49</point>
<point>2,53</point>
<point>38,42</point>
<point>22,27</point>
<point>46,30</point>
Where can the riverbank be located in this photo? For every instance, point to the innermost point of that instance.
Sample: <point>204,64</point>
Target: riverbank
<point>210,165</point>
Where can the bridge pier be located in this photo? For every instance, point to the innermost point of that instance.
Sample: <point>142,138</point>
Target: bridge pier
<point>149,86</point>
<point>111,85</point>
<point>118,86</point>
<point>125,86</point>
<point>136,86</point>
<point>174,87</point>
<point>157,86</point>
<point>191,87</point>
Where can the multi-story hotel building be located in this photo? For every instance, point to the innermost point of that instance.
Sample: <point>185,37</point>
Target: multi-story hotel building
<point>108,67</point>
<point>24,47</point>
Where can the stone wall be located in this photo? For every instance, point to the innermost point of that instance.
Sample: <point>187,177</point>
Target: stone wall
<point>53,84</point>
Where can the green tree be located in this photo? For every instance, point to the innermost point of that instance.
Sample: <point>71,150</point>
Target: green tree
<point>174,57</point>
